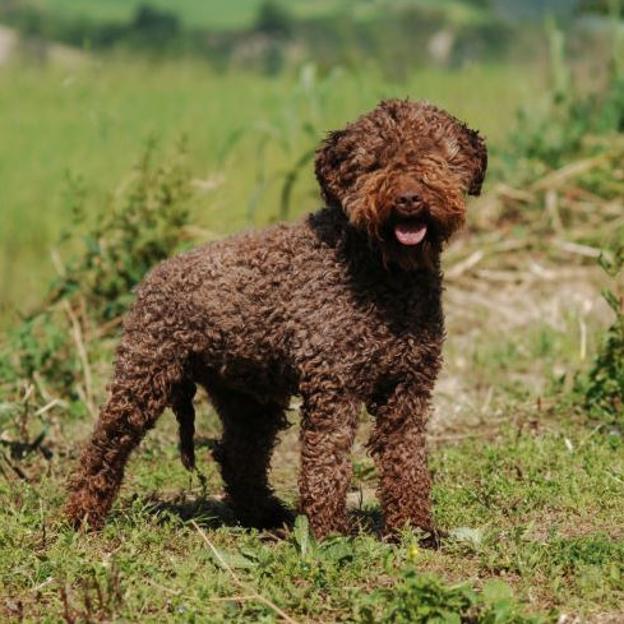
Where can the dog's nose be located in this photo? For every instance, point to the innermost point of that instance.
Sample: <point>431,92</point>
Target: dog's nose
<point>407,200</point>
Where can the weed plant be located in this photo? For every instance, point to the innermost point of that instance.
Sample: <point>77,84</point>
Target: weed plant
<point>50,352</point>
<point>605,390</point>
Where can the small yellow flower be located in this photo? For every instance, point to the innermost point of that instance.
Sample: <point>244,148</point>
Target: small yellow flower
<point>413,552</point>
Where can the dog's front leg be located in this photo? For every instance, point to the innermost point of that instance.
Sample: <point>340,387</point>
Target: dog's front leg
<point>328,427</point>
<point>398,447</point>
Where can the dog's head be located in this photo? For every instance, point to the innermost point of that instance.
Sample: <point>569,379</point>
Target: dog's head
<point>401,174</point>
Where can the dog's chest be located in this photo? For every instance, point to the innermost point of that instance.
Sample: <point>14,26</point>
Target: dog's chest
<point>373,331</point>
<point>404,337</point>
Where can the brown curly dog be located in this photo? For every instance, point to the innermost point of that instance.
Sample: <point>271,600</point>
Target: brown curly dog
<point>342,308</point>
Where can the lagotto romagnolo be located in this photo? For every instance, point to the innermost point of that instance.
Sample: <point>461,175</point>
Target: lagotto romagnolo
<point>342,308</point>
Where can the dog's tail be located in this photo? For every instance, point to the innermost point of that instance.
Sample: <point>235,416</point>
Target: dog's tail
<point>182,405</point>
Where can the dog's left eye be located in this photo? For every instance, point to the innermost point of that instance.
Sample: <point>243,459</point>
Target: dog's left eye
<point>366,160</point>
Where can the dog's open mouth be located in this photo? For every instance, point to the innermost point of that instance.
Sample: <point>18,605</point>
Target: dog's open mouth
<point>410,233</point>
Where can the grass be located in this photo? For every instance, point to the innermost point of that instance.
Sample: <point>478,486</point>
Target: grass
<point>538,508</point>
<point>244,132</point>
<point>530,492</point>
<point>529,489</point>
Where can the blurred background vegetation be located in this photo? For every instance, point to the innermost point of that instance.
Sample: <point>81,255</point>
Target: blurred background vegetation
<point>254,84</point>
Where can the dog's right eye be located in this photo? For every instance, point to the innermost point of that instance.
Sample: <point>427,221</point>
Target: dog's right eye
<point>366,160</point>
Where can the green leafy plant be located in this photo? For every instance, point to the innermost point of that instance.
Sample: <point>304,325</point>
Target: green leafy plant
<point>567,125</point>
<point>605,390</point>
<point>46,359</point>
<point>142,224</point>
<point>424,598</point>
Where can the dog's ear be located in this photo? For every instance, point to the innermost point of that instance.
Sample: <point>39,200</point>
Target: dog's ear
<point>468,157</point>
<point>330,155</point>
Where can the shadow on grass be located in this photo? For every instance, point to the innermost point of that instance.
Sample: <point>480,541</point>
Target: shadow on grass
<point>210,513</point>
<point>213,513</point>
<point>368,521</point>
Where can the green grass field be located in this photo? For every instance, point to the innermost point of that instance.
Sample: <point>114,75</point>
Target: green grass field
<point>535,512</point>
<point>530,495</point>
<point>529,488</point>
<point>244,132</point>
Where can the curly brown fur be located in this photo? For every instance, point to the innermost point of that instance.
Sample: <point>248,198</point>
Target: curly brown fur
<point>342,308</point>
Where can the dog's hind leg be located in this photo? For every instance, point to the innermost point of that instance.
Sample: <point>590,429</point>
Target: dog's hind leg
<point>140,391</point>
<point>244,452</point>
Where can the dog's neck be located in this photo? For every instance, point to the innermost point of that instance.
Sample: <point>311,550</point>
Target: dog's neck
<point>331,225</point>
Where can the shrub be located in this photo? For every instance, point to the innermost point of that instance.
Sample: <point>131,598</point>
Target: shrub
<point>274,20</point>
<point>604,395</point>
<point>568,125</point>
<point>142,224</point>
<point>424,598</point>
<point>47,358</point>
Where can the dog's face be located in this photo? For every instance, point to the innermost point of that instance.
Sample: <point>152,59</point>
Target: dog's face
<point>401,173</point>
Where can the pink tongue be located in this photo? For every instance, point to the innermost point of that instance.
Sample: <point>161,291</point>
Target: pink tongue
<point>410,233</point>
